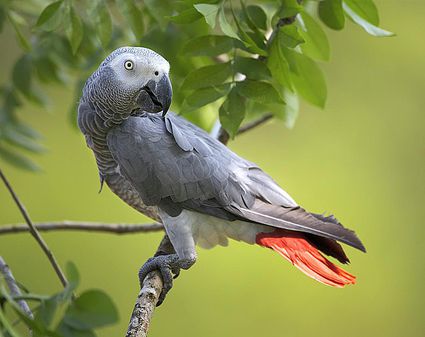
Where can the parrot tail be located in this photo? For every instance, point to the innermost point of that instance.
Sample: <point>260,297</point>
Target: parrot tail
<point>296,248</point>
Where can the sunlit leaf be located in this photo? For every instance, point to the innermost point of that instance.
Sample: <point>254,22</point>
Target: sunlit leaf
<point>316,42</point>
<point>225,26</point>
<point>209,12</point>
<point>278,64</point>
<point>306,77</point>
<point>232,112</point>
<point>368,27</point>
<point>366,9</point>
<point>291,108</point>
<point>332,14</point>
<point>207,76</point>
<point>289,36</point>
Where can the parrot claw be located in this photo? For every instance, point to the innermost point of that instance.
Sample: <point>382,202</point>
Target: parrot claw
<point>167,265</point>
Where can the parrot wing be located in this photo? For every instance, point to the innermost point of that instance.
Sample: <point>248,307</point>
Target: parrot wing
<point>176,165</point>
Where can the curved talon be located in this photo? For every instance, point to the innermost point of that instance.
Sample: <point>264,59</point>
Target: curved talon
<point>167,265</point>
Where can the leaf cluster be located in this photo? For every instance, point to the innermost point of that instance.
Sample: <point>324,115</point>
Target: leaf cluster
<point>59,315</point>
<point>234,59</point>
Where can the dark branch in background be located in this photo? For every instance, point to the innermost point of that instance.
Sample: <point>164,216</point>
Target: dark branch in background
<point>83,226</point>
<point>34,232</point>
<point>13,287</point>
<point>224,137</point>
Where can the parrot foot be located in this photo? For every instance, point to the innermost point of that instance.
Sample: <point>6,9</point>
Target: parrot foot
<point>167,265</point>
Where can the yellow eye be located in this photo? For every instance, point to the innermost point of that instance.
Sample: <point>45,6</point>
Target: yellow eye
<point>128,65</point>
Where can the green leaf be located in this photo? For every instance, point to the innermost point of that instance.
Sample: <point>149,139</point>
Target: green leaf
<point>22,74</point>
<point>225,26</point>
<point>104,24</point>
<point>207,76</point>
<point>74,30</point>
<point>332,14</point>
<point>278,64</point>
<point>257,16</point>
<point>92,309</point>
<point>134,16</point>
<point>366,9</point>
<point>207,95</point>
<point>306,77</point>
<point>291,108</point>
<point>209,12</point>
<point>69,331</point>
<point>51,17</point>
<point>47,69</point>
<point>368,27</point>
<point>14,137</point>
<point>289,36</point>
<point>247,40</point>
<point>17,22</point>
<point>232,112</point>
<point>316,43</point>
<point>72,274</point>
<point>209,45</point>
<point>259,91</point>
<point>253,69</point>
<point>289,8</point>
<point>187,16</point>
<point>17,160</point>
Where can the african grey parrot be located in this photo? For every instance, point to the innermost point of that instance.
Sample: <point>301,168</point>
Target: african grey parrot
<point>161,164</point>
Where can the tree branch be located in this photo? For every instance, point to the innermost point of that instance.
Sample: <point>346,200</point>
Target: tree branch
<point>148,296</point>
<point>34,232</point>
<point>13,287</point>
<point>83,226</point>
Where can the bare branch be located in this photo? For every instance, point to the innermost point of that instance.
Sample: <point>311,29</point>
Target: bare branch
<point>34,232</point>
<point>13,287</point>
<point>83,226</point>
<point>248,126</point>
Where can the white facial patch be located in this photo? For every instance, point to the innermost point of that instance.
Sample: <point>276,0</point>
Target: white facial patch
<point>138,66</point>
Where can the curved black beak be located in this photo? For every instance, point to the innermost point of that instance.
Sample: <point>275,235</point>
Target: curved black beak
<point>160,92</point>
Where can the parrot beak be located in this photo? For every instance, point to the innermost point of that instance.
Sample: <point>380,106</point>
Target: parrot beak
<point>160,93</point>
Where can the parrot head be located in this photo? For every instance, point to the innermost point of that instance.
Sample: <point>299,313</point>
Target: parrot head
<point>129,81</point>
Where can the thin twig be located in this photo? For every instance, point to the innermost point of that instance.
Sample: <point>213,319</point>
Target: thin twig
<point>83,226</point>
<point>15,292</point>
<point>248,126</point>
<point>35,233</point>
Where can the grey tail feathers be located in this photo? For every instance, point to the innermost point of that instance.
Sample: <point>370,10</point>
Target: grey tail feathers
<point>297,219</point>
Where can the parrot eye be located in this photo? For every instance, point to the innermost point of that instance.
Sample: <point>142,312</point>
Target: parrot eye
<point>156,73</point>
<point>128,65</point>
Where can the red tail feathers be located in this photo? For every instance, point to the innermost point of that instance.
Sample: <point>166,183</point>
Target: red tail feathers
<point>294,247</point>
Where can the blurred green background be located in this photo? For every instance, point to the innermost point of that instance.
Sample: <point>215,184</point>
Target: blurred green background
<point>361,158</point>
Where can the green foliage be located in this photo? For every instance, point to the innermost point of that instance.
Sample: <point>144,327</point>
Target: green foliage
<point>230,59</point>
<point>60,315</point>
